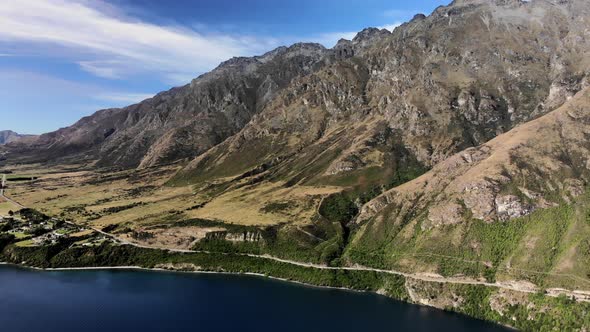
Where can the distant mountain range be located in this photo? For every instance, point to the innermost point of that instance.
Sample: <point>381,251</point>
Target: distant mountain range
<point>9,136</point>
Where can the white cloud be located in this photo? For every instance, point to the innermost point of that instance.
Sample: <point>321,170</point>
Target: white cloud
<point>109,44</point>
<point>106,42</point>
<point>105,69</point>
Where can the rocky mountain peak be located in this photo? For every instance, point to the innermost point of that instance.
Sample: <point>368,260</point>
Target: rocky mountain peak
<point>418,17</point>
<point>368,35</point>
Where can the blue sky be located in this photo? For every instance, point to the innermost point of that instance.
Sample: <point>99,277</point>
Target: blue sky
<point>64,59</point>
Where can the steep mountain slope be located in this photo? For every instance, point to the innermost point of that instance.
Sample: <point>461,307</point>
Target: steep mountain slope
<point>361,118</point>
<point>456,148</point>
<point>409,102</point>
<point>182,122</point>
<point>410,99</point>
<point>515,204</point>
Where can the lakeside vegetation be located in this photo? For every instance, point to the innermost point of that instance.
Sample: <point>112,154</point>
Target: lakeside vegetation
<point>548,313</point>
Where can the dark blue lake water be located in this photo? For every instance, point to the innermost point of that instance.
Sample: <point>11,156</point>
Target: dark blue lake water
<point>117,300</point>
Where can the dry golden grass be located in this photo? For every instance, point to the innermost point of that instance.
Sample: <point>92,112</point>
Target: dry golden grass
<point>84,196</point>
<point>245,206</point>
<point>174,238</point>
<point>54,193</point>
<point>5,207</point>
<point>147,213</point>
<point>82,233</point>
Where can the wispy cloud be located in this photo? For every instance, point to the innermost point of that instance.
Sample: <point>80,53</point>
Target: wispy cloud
<point>107,43</point>
<point>28,84</point>
<point>107,68</point>
<point>104,41</point>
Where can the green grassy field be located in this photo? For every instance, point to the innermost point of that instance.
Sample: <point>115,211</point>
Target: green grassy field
<point>25,243</point>
<point>20,235</point>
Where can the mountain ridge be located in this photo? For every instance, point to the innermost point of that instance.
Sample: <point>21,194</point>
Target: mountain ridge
<point>187,121</point>
<point>90,137</point>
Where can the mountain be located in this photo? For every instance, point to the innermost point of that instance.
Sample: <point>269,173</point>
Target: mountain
<point>365,116</point>
<point>184,121</point>
<point>436,86</point>
<point>414,97</point>
<point>518,202</point>
<point>9,136</point>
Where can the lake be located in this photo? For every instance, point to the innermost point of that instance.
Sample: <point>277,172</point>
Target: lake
<point>124,300</point>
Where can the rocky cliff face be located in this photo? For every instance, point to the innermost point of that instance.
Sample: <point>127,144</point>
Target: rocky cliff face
<point>433,87</point>
<point>540,164</point>
<point>516,204</point>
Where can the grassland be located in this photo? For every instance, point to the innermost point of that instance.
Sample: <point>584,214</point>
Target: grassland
<point>308,223</point>
<point>141,198</point>
<point>25,243</point>
<point>19,235</point>
<point>139,202</point>
<point>6,207</point>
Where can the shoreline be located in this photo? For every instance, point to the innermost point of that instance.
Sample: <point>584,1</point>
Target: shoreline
<point>248,274</point>
<point>157,269</point>
<point>242,274</point>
